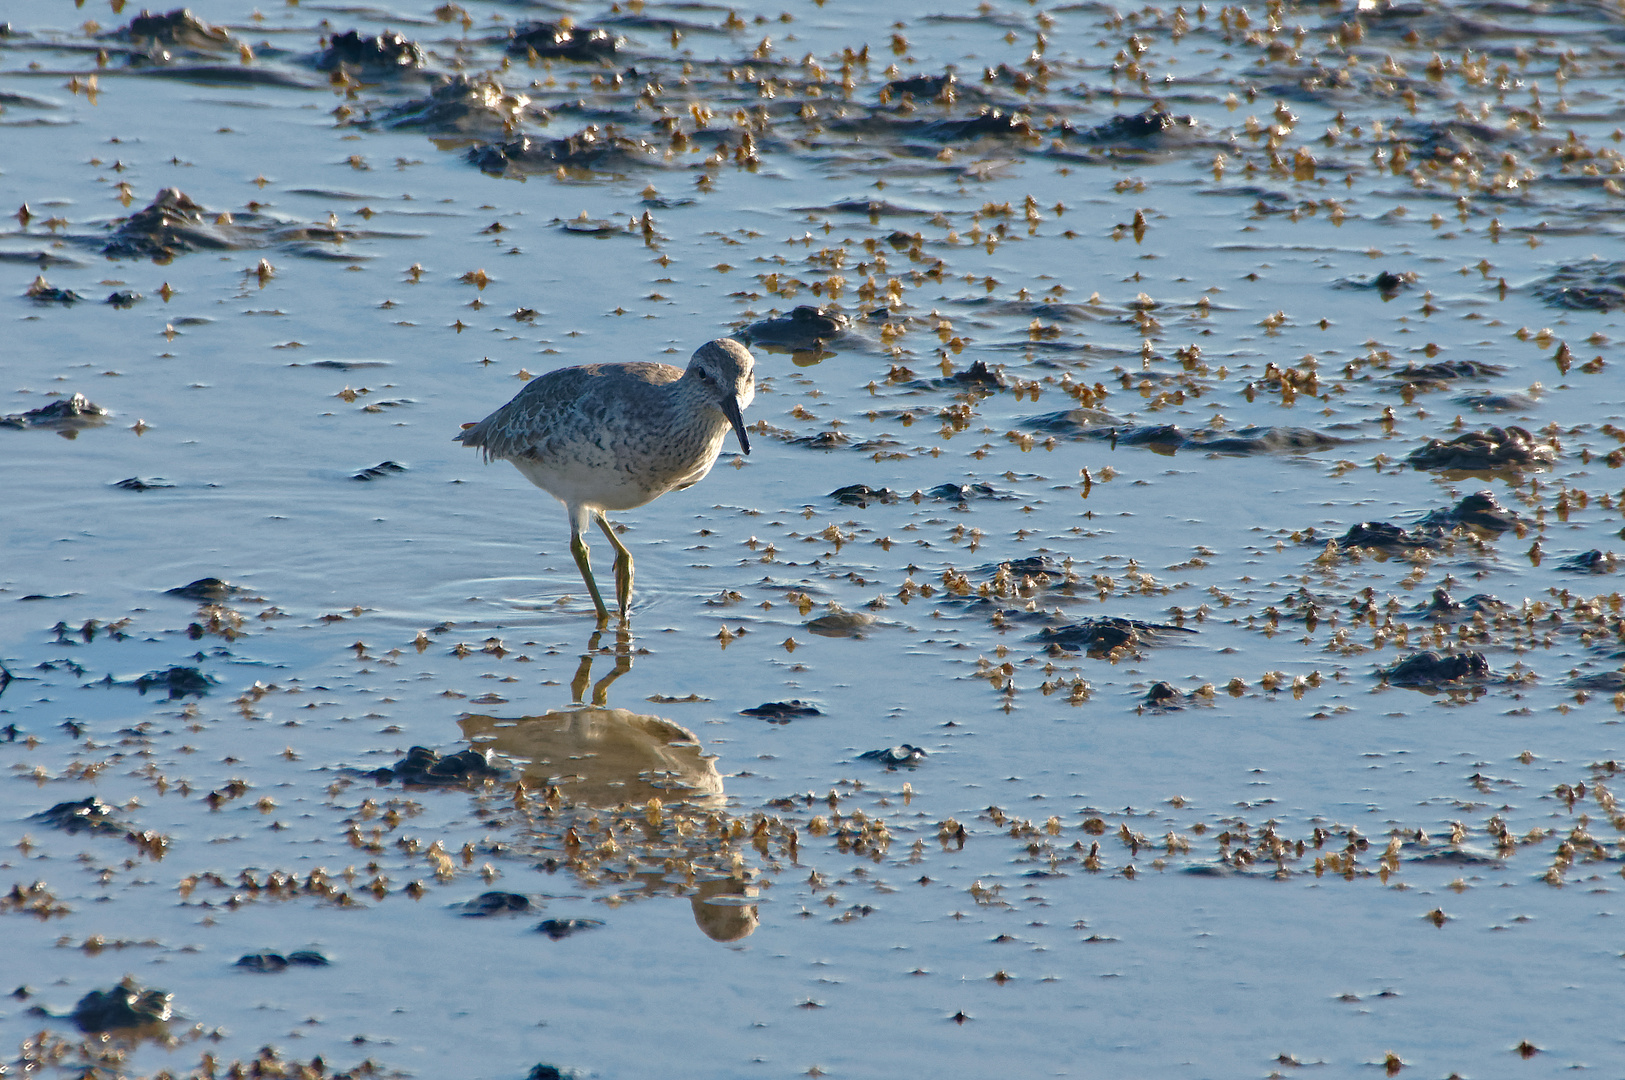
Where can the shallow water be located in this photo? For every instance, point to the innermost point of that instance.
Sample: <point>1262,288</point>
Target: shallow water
<point>1298,864</point>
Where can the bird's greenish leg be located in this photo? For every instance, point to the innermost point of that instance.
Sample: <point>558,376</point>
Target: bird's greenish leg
<point>578,548</point>
<point>623,566</point>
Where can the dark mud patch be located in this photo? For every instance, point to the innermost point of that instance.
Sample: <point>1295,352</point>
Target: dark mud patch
<point>1170,439</point>
<point>87,815</point>
<point>562,41</point>
<point>424,767</point>
<point>211,590</point>
<point>1387,537</point>
<point>861,495</point>
<point>593,148</point>
<point>782,712</point>
<point>272,962</point>
<point>1101,637</point>
<point>901,756</point>
<point>174,224</point>
<point>126,1006</point>
<point>379,471</point>
<point>1431,670</point>
<point>1165,697</point>
<point>178,682</point>
<point>42,292</point>
<point>1593,285</point>
<point>1480,511</point>
<point>1595,561</point>
<point>496,902</point>
<point>804,329</point>
<point>461,105</point>
<point>142,483</point>
<point>559,929</point>
<point>1494,449</point>
<point>377,55</point>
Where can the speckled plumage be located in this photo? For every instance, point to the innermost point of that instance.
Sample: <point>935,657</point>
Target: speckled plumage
<point>615,436</point>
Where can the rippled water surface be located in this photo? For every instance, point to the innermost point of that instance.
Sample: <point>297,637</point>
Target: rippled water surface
<point>1134,326</point>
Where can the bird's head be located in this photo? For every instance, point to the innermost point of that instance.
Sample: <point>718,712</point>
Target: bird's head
<point>723,368</point>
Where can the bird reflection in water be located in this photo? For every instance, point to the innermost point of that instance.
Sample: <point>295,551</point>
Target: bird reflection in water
<point>630,802</point>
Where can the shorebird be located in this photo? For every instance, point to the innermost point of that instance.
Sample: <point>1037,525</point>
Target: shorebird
<point>606,437</point>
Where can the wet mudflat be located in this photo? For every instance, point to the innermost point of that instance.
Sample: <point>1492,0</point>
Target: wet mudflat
<point>1169,623</point>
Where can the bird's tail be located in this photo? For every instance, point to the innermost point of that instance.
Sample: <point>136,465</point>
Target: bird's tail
<point>477,436</point>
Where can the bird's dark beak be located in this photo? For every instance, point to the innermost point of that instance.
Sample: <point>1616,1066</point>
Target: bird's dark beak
<point>730,409</point>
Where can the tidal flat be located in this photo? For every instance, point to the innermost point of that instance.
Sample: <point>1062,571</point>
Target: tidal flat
<point>1169,624</point>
